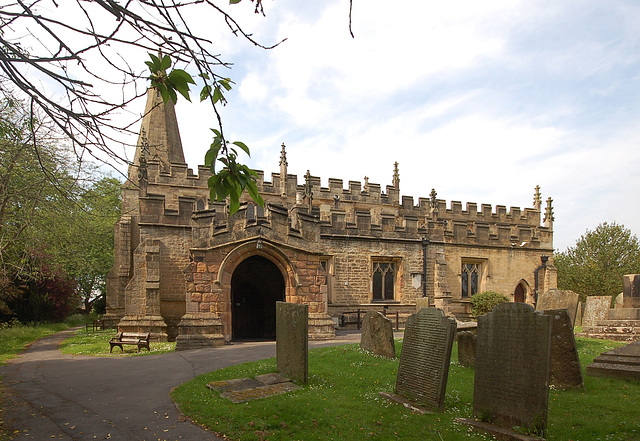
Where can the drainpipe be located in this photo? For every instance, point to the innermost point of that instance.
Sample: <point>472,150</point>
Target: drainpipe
<point>544,260</point>
<point>425,242</point>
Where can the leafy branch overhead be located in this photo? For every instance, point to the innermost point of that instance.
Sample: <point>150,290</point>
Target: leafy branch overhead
<point>80,64</point>
<point>233,178</point>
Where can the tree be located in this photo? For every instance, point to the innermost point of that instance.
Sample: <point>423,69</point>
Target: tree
<point>86,246</point>
<point>56,220</point>
<point>596,264</point>
<point>81,49</point>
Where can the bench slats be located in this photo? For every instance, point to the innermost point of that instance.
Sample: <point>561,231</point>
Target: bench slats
<point>141,340</point>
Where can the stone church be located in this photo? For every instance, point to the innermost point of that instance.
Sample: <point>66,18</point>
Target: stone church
<point>187,271</point>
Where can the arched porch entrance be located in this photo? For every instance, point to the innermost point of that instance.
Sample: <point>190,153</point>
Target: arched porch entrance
<point>256,285</point>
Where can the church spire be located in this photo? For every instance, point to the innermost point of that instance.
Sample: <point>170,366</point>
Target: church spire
<point>161,135</point>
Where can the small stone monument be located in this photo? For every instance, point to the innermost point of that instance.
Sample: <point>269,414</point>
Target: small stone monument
<point>377,335</point>
<point>565,371</point>
<point>425,357</point>
<point>559,299</point>
<point>292,341</point>
<point>467,348</point>
<point>596,309</point>
<point>511,387</point>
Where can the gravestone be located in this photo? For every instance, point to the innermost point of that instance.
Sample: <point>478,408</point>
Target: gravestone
<point>631,291</point>
<point>422,302</point>
<point>425,358</point>
<point>467,348</point>
<point>596,309</point>
<point>377,335</point>
<point>565,371</point>
<point>559,299</point>
<point>292,341</point>
<point>511,387</point>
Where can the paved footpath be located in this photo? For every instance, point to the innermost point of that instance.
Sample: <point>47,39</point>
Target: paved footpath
<point>51,395</point>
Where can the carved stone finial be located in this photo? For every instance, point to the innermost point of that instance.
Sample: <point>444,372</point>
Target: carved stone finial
<point>336,201</point>
<point>548,214</point>
<point>308,189</point>
<point>537,199</point>
<point>396,176</point>
<point>433,204</point>
<point>366,184</point>
<point>283,172</point>
<point>283,156</point>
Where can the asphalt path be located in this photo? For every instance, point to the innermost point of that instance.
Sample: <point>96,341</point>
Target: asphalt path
<point>51,395</point>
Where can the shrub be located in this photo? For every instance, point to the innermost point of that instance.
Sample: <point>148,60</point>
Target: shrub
<point>483,302</point>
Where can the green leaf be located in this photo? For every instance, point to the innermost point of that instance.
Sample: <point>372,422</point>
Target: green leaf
<point>205,92</point>
<point>226,83</point>
<point>165,63</point>
<point>156,63</point>
<point>243,146</point>
<point>234,2</point>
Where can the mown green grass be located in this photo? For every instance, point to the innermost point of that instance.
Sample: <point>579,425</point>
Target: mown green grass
<point>341,401</point>
<point>96,343</point>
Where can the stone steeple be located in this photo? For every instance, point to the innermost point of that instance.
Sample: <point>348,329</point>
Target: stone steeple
<point>160,133</point>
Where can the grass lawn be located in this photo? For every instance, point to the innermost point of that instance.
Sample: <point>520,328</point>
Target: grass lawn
<point>341,402</point>
<point>97,343</point>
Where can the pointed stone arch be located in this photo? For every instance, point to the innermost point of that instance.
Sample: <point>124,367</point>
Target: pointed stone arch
<point>522,292</point>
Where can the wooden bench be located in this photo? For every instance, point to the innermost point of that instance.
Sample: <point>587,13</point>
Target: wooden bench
<point>141,340</point>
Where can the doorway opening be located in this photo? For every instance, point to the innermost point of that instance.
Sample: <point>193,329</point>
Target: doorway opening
<point>256,285</point>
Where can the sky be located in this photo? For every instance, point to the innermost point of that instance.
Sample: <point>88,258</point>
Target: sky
<point>479,100</point>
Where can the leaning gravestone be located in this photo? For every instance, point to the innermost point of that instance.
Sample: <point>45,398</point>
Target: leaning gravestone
<point>292,341</point>
<point>467,348</point>
<point>377,335</point>
<point>596,309</point>
<point>511,387</point>
<point>565,371</point>
<point>559,299</point>
<point>425,357</point>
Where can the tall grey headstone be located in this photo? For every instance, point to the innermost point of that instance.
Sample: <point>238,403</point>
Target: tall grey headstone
<point>511,386</point>
<point>565,371</point>
<point>596,309</point>
<point>292,341</point>
<point>377,335</point>
<point>425,358</point>
<point>559,299</point>
<point>631,290</point>
<point>467,348</point>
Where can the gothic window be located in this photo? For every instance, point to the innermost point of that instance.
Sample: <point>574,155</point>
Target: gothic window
<point>384,278</point>
<point>470,278</point>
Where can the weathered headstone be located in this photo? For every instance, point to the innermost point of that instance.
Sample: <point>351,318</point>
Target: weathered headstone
<point>631,290</point>
<point>467,348</point>
<point>422,302</point>
<point>559,299</point>
<point>511,387</point>
<point>292,341</point>
<point>565,371</point>
<point>377,335</point>
<point>425,357</point>
<point>596,309</point>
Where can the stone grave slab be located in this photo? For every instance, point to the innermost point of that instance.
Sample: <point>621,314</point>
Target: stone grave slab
<point>596,309</point>
<point>377,335</point>
<point>292,341</point>
<point>511,387</point>
<point>559,299</point>
<point>242,390</point>
<point>425,357</point>
<point>467,348</point>
<point>565,371</point>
